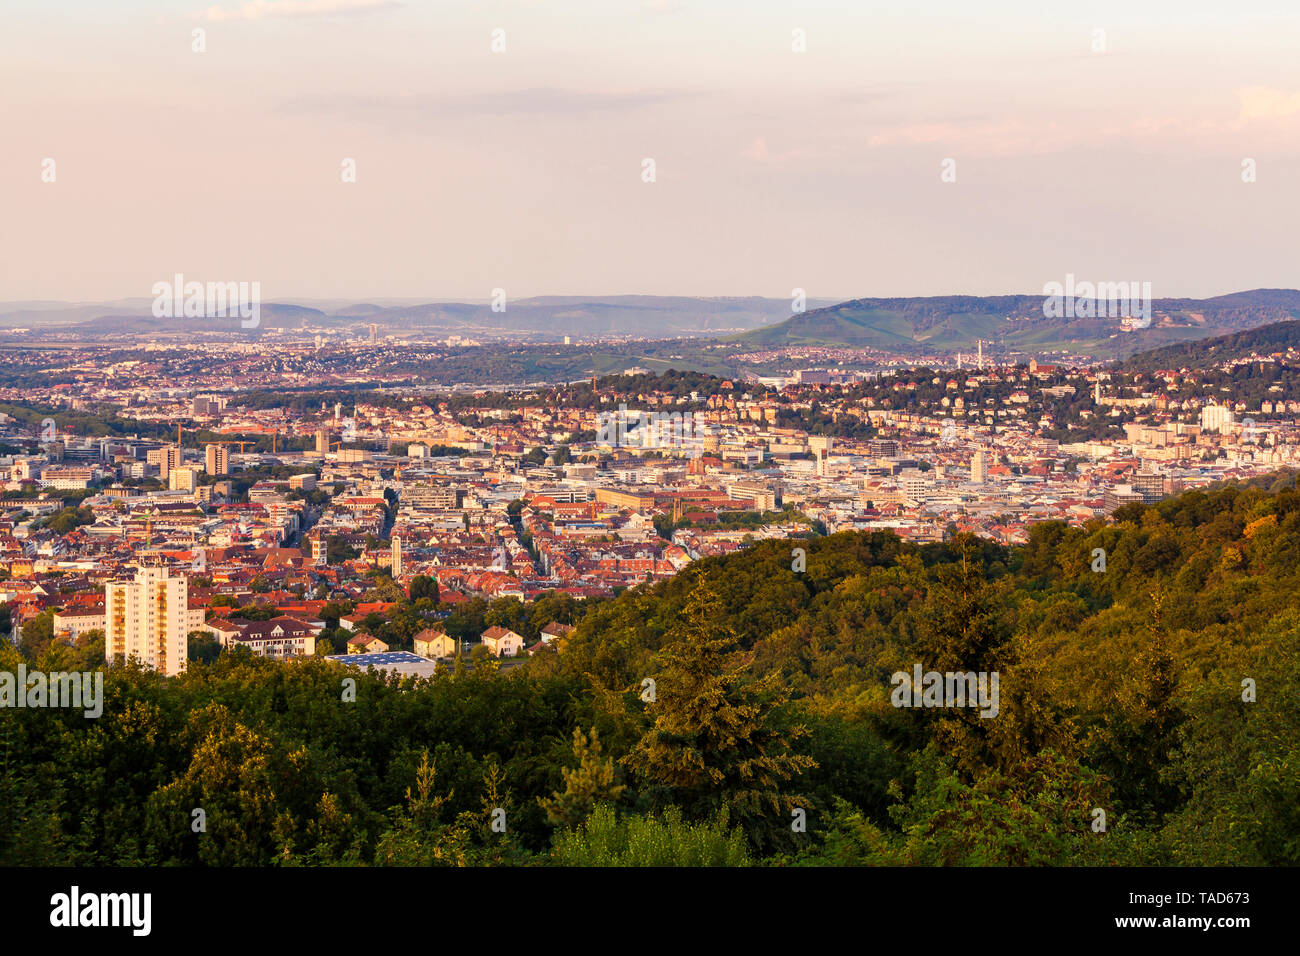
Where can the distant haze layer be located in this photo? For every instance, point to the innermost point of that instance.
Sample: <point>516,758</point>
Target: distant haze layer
<point>442,150</point>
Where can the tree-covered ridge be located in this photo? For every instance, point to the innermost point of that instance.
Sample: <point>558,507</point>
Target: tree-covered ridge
<point>1018,321</point>
<point>1278,337</point>
<point>1149,671</point>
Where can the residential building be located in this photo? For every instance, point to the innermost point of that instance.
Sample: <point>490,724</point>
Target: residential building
<point>366,644</point>
<point>434,642</point>
<point>146,619</point>
<point>502,642</point>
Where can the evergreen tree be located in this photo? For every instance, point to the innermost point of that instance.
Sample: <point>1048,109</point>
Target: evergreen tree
<point>715,741</point>
<point>1135,743</point>
<point>589,784</point>
<point>962,631</point>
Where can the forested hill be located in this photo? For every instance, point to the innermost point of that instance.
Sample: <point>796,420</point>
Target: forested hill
<point>1266,340</point>
<point>938,323</point>
<point>1149,713</point>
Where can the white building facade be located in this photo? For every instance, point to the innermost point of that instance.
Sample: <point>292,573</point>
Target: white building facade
<point>148,619</point>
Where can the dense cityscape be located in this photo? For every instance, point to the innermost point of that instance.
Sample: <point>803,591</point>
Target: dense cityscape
<point>310,509</point>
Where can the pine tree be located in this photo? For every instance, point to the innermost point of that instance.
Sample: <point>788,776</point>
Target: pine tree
<point>714,742</point>
<point>962,631</point>
<point>586,786</point>
<point>418,836</point>
<point>1135,743</point>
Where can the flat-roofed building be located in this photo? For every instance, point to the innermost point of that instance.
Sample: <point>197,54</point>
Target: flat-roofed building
<point>1121,495</point>
<point>147,620</point>
<point>217,460</point>
<point>761,497</point>
<point>637,501</point>
<point>75,621</point>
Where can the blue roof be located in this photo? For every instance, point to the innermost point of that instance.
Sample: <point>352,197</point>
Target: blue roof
<point>385,659</point>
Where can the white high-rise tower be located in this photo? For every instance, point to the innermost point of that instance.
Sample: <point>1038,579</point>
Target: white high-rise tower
<point>820,446</point>
<point>146,619</point>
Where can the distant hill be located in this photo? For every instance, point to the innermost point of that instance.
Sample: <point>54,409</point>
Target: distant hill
<point>271,315</point>
<point>542,318</point>
<point>934,324</point>
<point>1017,322</point>
<point>360,308</point>
<point>1266,340</point>
<point>632,315</point>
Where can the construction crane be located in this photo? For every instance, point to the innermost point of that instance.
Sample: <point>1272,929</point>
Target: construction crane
<point>178,433</point>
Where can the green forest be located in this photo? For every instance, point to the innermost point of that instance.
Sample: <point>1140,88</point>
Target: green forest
<point>740,714</point>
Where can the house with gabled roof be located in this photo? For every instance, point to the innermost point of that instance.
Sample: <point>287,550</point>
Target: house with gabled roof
<point>280,637</point>
<point>502,641</point>
<point>554,631</point>
<point>366,644</point>
<point>434,642</point>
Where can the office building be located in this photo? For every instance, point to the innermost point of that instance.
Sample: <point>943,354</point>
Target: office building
<point>820,446</point>
<point>182,479</point>
<point>218,460</point>
<point>1217,418</point>
<point>760,496</point>
<point>1121,495</point>
<point>1150,486</point>
<point>166,458</point>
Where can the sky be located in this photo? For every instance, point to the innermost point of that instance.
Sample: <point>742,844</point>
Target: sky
<point>910,148</point>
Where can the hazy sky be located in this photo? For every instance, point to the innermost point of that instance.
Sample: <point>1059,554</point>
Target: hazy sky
<point>523,169</point>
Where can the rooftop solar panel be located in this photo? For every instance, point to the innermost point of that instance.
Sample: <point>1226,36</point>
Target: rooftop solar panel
<point>381,659</point>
